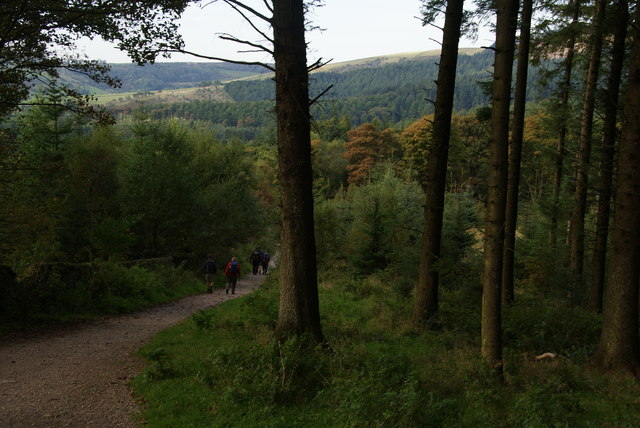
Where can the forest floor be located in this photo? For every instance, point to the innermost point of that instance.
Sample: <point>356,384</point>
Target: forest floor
<point>78,375</point>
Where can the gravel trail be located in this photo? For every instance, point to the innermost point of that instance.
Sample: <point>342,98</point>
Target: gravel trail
<point>77,376</point>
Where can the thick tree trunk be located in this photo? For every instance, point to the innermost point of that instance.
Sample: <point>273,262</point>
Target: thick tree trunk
<point>561,149</point>
<point>299,307</point>
<point>621,12</point>
<point>507,12</point>
<point>619,346</point>
<point>576,235</point>
<point>515,153</point>
<point>428,282</point>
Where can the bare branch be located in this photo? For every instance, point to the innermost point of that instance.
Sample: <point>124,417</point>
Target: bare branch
<point>237,4</point>
<point>213,58</point>
<point>250,22</point>
<point>313,101</point>
<point>316,65</point>
<point>231,38</point>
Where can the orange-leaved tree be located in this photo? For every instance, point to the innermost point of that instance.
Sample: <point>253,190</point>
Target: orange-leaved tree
<point>368,146</point>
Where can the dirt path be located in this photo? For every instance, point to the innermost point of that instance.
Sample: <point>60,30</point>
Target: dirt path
<point>78,376</point>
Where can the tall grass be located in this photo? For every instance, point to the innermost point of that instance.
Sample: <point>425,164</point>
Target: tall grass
<point>222,368</point>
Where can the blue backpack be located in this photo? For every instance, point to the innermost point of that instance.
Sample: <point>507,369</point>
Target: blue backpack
<point>233,267</point>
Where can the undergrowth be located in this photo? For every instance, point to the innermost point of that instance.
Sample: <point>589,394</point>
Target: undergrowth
<point>106,288</point>
<point>222,367</point>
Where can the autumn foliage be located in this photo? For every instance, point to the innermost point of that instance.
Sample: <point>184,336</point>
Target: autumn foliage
<point>368,146</point>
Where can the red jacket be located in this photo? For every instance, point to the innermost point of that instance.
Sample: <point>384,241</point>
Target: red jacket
<point>227,270</point>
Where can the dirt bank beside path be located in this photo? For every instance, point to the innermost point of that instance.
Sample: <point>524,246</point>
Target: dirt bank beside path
<point>77,376</point>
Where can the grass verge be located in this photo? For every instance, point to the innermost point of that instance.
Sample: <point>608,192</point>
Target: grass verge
<point>222,368</point>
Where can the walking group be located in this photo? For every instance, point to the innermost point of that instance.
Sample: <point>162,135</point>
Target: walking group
<point>259,259</point>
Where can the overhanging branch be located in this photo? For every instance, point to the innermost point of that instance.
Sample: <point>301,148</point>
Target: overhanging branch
<point>214,58</point>
<point>237,4</point>
<point>231,38</point>
<point>246,18</point>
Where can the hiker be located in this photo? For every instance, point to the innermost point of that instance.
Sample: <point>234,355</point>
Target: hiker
<point>232,272</point>
<point>256,258</point>
<point>209,269</point>
<point>265,262</point>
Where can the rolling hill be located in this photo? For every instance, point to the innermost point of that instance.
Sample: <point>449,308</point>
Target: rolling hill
<point>392,89</point>
<point>164,76</point>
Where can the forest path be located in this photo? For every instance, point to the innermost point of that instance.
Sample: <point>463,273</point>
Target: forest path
<point>77,376</point>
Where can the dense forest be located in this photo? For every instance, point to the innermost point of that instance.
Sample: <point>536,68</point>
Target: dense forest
<point>457,236</point>
<point>391,92</point>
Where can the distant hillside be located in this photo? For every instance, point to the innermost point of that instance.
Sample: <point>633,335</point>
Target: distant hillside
<point>124,102</point>
<point>410,73</point>
<point>393,89</point>
<point>165,75</point>
<point>379,61</point>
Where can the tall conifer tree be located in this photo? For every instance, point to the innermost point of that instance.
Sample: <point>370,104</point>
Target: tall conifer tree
<point>506,22</point>
<point>428,282</point>
<point>619,345</point>
<point>515,152</point>
<point>607,153</point>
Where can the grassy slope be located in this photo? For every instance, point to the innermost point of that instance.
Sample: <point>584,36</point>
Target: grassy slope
<point>376,61</point>
<point>207,93</point>
<point>221,367</point>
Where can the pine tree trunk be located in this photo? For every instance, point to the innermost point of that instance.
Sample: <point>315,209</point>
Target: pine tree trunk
<point>621,11</point>
<point>619,345</point>
<point>299,308</point>
<point>561,149</point>
<point>428,282</point>
<point>507,12</point>
<point>515,154</point>
<point>584,152</point>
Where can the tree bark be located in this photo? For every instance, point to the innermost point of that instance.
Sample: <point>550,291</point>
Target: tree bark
<point>515,153</point>
<point>507,12</point>
<point>299,307</point>
<point>428,282</point>
<point>607,153</point>
<point>619,345</point>
<point>561,149</point>
<point>576,235</point>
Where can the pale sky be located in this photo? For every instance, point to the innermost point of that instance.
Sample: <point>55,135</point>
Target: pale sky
<point>353,29</point>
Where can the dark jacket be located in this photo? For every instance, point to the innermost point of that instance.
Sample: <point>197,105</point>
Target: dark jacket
<point>209,266</point>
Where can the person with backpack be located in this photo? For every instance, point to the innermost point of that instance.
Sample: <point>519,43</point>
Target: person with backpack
<point>209,269</point>
<point>256,258</point>
<point>265,262</point>
<point>232,272</point>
